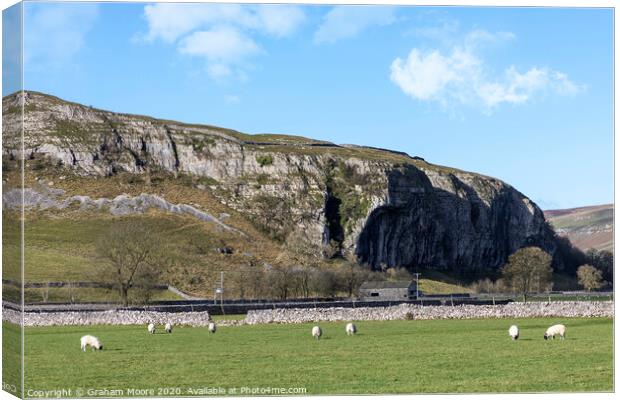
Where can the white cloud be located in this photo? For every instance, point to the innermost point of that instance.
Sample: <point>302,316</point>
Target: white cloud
<point>280,20</point>
<point>219,71</point>
<point>54,33</point>
<point>220,44</point>
<point>343,22</point>
<point>232,99</point>
<point>479,37</point>
<point>223,34</point>
<point>170,21</point>
<point>462,77</point>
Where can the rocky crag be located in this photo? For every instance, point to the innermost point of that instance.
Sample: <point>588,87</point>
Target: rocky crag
<point>387,208</point>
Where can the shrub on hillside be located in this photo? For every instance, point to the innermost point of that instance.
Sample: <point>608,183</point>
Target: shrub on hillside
<point>264,160</point>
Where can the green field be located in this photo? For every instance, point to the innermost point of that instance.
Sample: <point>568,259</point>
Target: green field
<point>440,356</point>
<point>11,356</point>
<point>79,295</point>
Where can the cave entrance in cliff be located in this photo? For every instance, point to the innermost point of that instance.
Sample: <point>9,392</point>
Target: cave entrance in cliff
<point>334,232</point>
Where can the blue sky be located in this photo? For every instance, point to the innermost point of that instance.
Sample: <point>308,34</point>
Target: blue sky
<point>521,94</point>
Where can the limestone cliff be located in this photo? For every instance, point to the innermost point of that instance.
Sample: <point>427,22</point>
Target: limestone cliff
<point>385,207</point>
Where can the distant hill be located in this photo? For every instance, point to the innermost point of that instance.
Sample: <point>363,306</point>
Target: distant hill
<point>586,227</point>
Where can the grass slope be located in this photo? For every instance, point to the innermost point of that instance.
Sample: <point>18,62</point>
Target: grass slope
<point>586,227</point>
<point>11,358</point>
<point>450,356</point>
<point>79,295</point>
<point>429,286</point>
<point>64,249</point>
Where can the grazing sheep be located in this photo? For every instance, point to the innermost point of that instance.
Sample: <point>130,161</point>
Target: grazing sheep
<point>316,332</point>
<point>514,332</point>
<point>168,327</point>
<point>212,327</point>
<point>91,341</point>
<point>351,329</point>
<point>151,328</point>
<point>555,330</point>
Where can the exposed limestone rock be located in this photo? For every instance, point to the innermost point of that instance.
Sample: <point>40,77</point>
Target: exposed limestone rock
<point>120,205</point>
<point>383,206</point>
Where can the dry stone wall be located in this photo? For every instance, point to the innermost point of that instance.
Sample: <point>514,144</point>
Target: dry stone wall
<point>565,309</point>
<point>410,311</point>
<point>112,317</point>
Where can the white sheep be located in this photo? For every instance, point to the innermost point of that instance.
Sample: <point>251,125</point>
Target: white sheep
<point>514,332</point>
<point>169,327</point>
<point>151,328</point>
<point>351,329</point>
<point>212,327</point>
<point>91,341</point>
<point>555,330</point>
<point>316,332</point>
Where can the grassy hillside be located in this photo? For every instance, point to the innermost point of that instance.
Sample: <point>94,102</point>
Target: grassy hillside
<point>60,244</point>
<point>586,227</point>
<point>385,357</point>
<point>64,249</point>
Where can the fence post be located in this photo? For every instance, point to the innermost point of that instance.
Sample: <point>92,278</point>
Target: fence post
<point>71,297</point>
<point>46,292</point>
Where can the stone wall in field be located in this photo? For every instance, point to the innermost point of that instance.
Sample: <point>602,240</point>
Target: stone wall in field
<point>301,315</point>
<point>112,317</point>
<point>410,311</point>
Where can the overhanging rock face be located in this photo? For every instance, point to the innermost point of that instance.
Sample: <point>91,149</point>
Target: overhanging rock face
<point>451,221</point>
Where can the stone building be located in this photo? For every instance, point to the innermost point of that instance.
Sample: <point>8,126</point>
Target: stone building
<point>386,290</point>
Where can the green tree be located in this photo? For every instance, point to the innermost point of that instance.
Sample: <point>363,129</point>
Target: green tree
<point>528,269</point>
<point>590,277</point>
<point>602,260</point>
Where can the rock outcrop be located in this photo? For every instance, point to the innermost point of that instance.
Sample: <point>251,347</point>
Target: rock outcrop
<point>386,207</point>
<point>49,198</point>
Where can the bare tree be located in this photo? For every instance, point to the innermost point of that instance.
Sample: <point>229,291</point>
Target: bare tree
<point>256,282</point>
<point>281,280</point>
<point>398,274</point>
<point>135,256</point>
<point>528,268</point>
<point>590,277</point>
<point>302,276</point>
<point>324,282</point>
<point>297,260</point>
<point>351,277</point>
